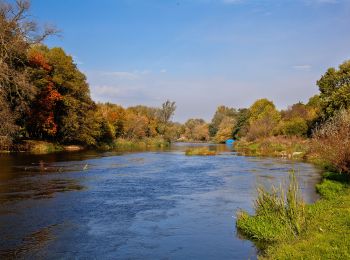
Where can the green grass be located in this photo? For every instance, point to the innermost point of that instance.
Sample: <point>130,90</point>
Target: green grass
<point>279,214</point>
<point>323,230</point>
<point>201,151</point>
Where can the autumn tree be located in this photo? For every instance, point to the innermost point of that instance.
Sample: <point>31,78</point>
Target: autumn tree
<point>263,118</point>
<point>221,113</point>
<point>225,129</point>
<point>164,115</point>
<point>196,130</point>
<point>17,35</point>
<point>334,88</point>
<point>166,111</point>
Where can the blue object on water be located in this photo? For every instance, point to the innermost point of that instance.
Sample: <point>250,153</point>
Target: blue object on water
<point>230,141</point>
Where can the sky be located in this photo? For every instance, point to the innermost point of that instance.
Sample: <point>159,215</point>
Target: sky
<point>200,53</point>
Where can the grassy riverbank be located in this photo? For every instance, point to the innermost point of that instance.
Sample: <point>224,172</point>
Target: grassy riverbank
<point>276,146</point>
<point>128,144</point>
<point>287,228</point>
<point>43,147</point>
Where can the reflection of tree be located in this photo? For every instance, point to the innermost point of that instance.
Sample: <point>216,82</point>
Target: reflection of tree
<point>31,244</point>
<point>36,189</point>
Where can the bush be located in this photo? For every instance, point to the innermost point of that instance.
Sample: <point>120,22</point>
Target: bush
<point>331,141</point>
<point>278,214</point>
<point>294,127</point>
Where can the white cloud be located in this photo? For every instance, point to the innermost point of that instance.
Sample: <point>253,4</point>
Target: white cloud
<point>120,74</point>
<point>163,71</point>
<point>125,74</point>
<point>302,67</point>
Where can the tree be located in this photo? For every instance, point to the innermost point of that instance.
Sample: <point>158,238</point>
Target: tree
<point>76,105</point>
<point>263,119</point>
<point>196,130</point>
<point>241,127</point>
<point>334,86</point>
<point>136,126</point>
<point>41,122</point>
<point>225,129</point>
<point>167,111</point>
<point>17,35</point>
<point>221,113</point>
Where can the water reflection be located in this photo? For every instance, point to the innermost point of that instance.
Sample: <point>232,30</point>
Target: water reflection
<point>36,189</point>
<point>30,244</point>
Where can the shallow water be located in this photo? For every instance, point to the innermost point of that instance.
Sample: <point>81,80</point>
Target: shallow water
<point>134,205</point>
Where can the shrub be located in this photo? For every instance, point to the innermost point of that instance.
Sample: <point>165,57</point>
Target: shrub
<point>278,214</point>
<point>294,127</point>
<point>331,141</point>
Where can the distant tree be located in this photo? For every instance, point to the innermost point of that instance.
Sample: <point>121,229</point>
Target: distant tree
<point>115,116</point>
<point>136,126</point>
<point>225,130</point>
<point>174,131</point>
<point>334,86</point>
<point>263,119</point>
<point>196,130</point>
<point>221,113</point>
<point>166,111</point>
<point>242,124</point>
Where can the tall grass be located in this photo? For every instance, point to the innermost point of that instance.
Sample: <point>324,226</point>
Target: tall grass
<point>279,213</point>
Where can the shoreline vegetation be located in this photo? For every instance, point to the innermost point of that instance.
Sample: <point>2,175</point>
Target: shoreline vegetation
<point>200,151</point>
<point>283,226</point>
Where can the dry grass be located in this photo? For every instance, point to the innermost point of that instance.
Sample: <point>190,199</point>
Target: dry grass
<point>202,151</point>
<point>331,141</point>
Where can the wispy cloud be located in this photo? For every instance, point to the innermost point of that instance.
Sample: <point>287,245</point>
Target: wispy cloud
<point>310,2</point>
<point>230,2</point>
<point>302,67</point>
<point>126,74</point>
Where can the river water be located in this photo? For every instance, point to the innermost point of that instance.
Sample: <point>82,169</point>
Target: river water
<point>134,205</point>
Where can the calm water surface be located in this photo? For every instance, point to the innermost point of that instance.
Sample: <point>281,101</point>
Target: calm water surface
<point>136,205</point>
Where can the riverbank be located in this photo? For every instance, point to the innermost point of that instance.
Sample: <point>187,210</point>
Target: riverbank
<point>41,147</point>
<point>294,230</point>
<point>44,147</point>
<point>276,146</point>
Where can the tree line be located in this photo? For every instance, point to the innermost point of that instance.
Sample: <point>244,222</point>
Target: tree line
<point>44,96</point>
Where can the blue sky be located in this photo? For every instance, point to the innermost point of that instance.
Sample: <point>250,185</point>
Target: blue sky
<point>200,53</point>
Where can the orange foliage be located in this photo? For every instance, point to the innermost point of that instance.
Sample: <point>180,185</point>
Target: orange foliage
<point>42,115</point>
<point>38,59</point>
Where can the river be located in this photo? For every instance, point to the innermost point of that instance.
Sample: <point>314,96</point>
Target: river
<point>134,205</point>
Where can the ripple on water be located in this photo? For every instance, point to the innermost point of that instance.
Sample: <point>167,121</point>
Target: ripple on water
<point>145,205</point>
